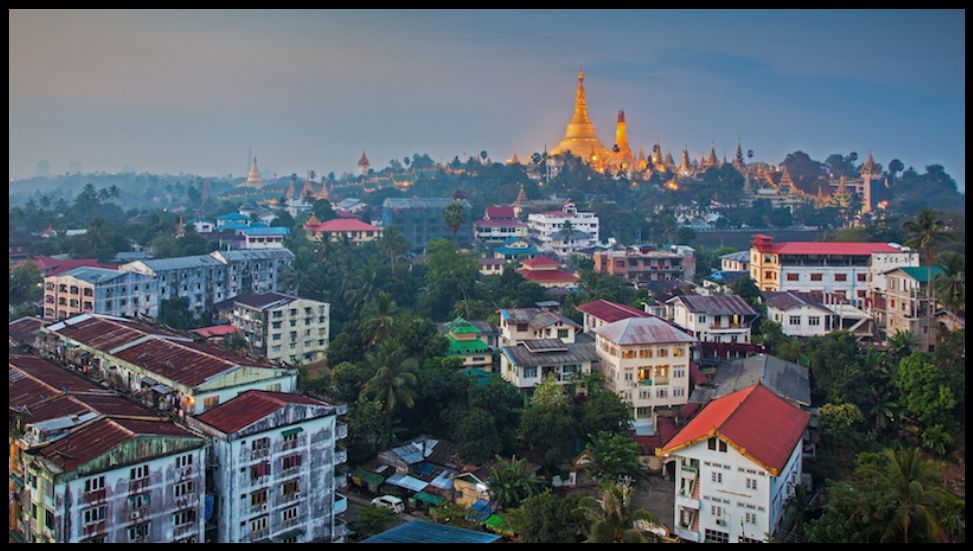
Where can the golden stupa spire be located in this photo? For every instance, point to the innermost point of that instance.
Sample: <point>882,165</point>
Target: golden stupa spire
<point>521,196</point>
<point>869,166</point>
<point>290,192</point>
<point>580,137</point>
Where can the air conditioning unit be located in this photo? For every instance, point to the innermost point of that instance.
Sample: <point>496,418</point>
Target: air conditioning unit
<point>720,522</point>
<point>136,513</point>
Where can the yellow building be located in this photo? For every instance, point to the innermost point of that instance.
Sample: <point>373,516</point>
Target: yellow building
<point>764,263</point>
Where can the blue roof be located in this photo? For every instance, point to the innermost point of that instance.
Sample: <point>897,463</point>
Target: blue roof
<point>235,226</point>
<point>277,230</point>
<point>420,531</point>
<point>93,275</point>
<point>480,510</point>
<point>233,216</point>
<point>503,249</point>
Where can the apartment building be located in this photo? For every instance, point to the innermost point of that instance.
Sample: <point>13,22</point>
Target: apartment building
<point>521,324</point>
<point>421,219</point>
<point>498,225</point>
<point>603,312</point>
<point>907,303</point>
<point>645,263</point>
<point>281,328</point>
<point>85,290</point>
<point>528,363</point>
<point>726,319</point>
<point>271,472</point>
<point>543,227</point>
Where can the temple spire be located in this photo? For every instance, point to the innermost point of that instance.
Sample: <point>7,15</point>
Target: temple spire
<point>738,156</point>
<point>580,137</point>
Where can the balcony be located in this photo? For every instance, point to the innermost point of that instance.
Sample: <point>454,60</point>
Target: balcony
<point>95,496</point>
<point>257,535</point>
<point>340,531</point>
<point>259,453</point>
<point>340,456</point>
<point>293,496</point>
<point>340,504</point>
<point>341,431</point>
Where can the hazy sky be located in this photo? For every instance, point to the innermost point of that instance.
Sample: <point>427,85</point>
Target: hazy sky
<point>180,91</point>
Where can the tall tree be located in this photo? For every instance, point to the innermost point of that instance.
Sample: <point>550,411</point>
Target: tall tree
<point>513,481</point>
<point>615,457</point>
<point>546,518</point>
<point>395,379</point>
<point>378,322</point>
<point>950,284</point>
<point>454,216</point>
<point>613,520</point>
<point>927,234</point>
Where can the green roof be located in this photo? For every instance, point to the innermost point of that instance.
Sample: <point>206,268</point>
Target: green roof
<point>497,523</point>
<point>466,348</point>
<point>920,273</point>
<point>460,326</point>
<point>369,478</point>
<point>481,376</point>
<point>428,498</point>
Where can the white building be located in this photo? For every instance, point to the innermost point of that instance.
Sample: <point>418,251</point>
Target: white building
<point>545,227</point>
<point>528,363</point>
<point>522,324</point>
<point>646,362</point>
<point>274,456</point>
<point>713,318</point>
<point>799,315</point>
<point>87,290</point>
<point>281,328</point>
<point>263,238</point>
<point>203,226</point>
<point>603,312</point>
<point>118,480</point>
<point>735,262</point>
<point>738,462</point>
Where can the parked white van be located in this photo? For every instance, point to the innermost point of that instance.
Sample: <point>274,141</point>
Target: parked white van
<point>391,502</point>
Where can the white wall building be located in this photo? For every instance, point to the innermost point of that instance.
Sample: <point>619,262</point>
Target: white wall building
<point>646,362</point>
<point>713,318</point>
<point>543,226</point>
<point>274,457</point>
<point>521,324</point>
<point>733,482</point>
<point>282,328</point>
<point>528,363</point>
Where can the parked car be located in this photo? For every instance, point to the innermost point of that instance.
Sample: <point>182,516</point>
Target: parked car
<point>391,502</point>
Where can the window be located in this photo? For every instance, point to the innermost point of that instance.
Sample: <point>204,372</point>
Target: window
<point>184,489</point>
<point>722,446</point>
<point>814,320</point>
<point>140,472</point>
<point>862,277</point>
<point>95,514</point>
<point>261,444</point>
<point>662,393</point>
<point>716,510</point>
<point>258,524</point>
<point>290,513</point>
<point>290,441</point>
<point>815,277</point>
<point>793,277</point>
<point>645,353</point>
<point>184,461</point>
<point>211,402</point>
<point>292,461</point>
<point>521,327</point>
<point>751,518</point>
<point>562,333</point>
<point>258,498</point>
<point>841,277</point>
<point>275,324</point>
<point>138,532</point>
<point>751,483</point>
<point>678,392</point>
<point>628,354</point>
<point>94,484</point>
<point>702,319</point>
<point>139,501</point>
<point>794,320</point>
<point>275,337</point>
<point>276,348</point>
<point>711,443</point>
<point>677,351</point>
<point>530,372</point>
<point>274,387</point>
<point>663,352</point>
<point>290,488</point>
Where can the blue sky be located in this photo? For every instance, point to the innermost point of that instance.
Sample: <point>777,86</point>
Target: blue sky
<point>181,91</point>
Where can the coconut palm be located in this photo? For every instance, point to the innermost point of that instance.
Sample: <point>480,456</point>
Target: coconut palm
<point>950,284</point>
<point>917,493</point>
<point>611,519</point>
<point>395,380</point>
<point>454,216</point>
<point>393,244</point>
<point>513,481</point>
<point>927,234</point>
<point>379,320</point>
<point>900,345</point>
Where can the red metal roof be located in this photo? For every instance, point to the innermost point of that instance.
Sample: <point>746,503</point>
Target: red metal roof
<point>832,248</point>
<point>216,331</point>
<point>105,334</point>
<point>611,311</point>
<point>665,428</point>
<point>50,374</point>
<point>250,407</point>
<point>24,390</point>
<point>498,212</point>
<point>342,224</point>
<point>547,275</point>
<point>23,330</point>
<point>102,436</point>
<point>756,422</point>
<point>191,364</point>
<point>540,261</point>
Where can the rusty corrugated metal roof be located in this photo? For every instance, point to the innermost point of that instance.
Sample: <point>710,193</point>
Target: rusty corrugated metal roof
<point>187,363</point>
<point>50,374</point>
<point>250,407</point>
<point>24,330</point>
<point>642,331</point>
<point>105,333</point>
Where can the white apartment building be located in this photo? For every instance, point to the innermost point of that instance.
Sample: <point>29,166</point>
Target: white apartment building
<point>89,290</point>
<point>273,457</point>
<point>726,319</point>
<point>546,227</point>
<point>527,364</point>
<point>117,480</point>
<point>646,362</point>
<point>522,324</point>
<point>733,482</point>
<point>800,316</point>
<point>281,328</point>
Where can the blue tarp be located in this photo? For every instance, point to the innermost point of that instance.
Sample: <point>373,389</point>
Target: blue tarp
<point>479,511</point>
<point>420,531</point>
<point>407,482</point>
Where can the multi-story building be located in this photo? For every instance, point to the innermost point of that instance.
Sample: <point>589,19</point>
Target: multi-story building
<point>281,328</point>
<point>86,290</point>
<point>201,225</point>
<point>907,303</point>
<point>646,362</point>
<point>735,262</point>
<point>263,238</point>
<point>233,218</point>
<point>168,371</point>
<point>543,226</point>
<point>738,462</point>
<point>646,264</point>
<point>117,480</point>
<point>491,266</point>
<point>603,312</point>
<point>515,248</point>
<point>528,363</point>
<point>523,324</point>
<point>272,469</point>
<point>351,229</point>
<point>498,225</point>
<point>848,269</point>
<point>421,220</point>
<point>726,319</point>
<point>547,273</point>
<point>464,341</point>
<point>815,314</point>
<point>210,278</point>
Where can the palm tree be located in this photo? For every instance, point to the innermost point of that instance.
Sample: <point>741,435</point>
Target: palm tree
<point>395,379</point>
<point>454,216</point>
<point>916,491</point>
<point>900,345</point>
<point>927,233</point>
<point>513,481</point>
<point>393,244</point>
<point>611,519</point>
<point>950,284</point>
<point>379,321</point>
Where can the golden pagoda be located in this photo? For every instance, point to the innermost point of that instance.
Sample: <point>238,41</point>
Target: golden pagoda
<point>580,137</point>
<point>289,196</point>
<point>363,163</point>
<point>308,189</point>
<point>738,157</point>
<point>254,179</point>
<point>622,157</point>
<point>684,167</point>
<point>323,194</point>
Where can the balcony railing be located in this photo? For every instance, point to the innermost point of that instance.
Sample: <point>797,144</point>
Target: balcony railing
<point>340,504</point>
<point>340,456</point>
<point>293,496</point>
<point>341,431</point>
<point>257,535</point>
